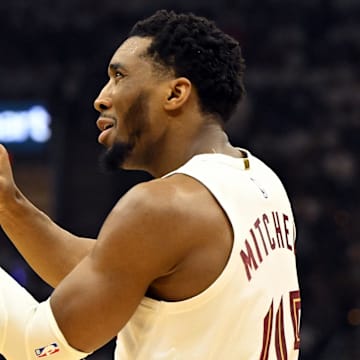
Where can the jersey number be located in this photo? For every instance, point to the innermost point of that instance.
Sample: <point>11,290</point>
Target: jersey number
<point>280,344</point>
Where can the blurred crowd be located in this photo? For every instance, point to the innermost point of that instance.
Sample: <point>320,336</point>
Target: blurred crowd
<point>301,115</point>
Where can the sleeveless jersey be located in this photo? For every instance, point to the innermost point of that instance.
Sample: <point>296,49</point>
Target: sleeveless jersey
<point>252,310</point>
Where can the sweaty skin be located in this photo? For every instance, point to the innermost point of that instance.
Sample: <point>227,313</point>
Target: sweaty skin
<point>167,238</point>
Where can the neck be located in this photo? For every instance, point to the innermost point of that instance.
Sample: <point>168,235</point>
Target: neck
<point>180,148</point>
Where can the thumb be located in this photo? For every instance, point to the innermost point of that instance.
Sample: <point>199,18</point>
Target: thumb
<point>5,166</point>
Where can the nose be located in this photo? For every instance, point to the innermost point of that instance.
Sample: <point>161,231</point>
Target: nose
<point>102,102</point>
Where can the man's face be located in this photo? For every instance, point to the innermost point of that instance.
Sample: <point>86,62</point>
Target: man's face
<point>129,106</point>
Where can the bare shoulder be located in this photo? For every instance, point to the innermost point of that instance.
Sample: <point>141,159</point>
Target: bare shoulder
<point>165,208</point>
<point>149,223</point>
<point>161,213</point>
<point>171,232</point>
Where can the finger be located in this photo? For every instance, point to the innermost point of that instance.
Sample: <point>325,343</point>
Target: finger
<point>3,149</point>
<point>5,161</point>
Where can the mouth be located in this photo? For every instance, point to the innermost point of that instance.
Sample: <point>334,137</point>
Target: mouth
<point>104,124</point>
<point>108,126</point>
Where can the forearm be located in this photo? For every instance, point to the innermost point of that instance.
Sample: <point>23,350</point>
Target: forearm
<point>50,250</point>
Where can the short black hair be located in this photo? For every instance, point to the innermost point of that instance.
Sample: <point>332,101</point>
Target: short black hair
<point>194,47</point>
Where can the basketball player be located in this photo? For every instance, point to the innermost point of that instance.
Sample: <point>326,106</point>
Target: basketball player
<point>198,263</point>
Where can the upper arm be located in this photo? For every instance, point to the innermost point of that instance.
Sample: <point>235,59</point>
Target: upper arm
<point>99,296</point>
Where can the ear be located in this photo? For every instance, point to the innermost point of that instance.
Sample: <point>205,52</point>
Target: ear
<point>178,93</point>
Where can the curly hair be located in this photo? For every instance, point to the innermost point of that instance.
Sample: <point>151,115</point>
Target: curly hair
<point>196,48</point>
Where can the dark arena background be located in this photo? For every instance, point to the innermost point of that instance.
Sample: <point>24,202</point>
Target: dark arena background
<point>301,115</point>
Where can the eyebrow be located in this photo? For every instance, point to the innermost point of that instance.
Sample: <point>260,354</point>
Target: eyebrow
<point>116,66</point>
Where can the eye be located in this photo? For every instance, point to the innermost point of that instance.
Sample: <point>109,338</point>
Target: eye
<point>118,74</point>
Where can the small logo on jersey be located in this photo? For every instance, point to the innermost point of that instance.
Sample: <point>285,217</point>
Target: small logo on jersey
<point>47,350</point>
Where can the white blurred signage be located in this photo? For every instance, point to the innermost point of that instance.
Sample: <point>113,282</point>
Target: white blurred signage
<point>18,126</point>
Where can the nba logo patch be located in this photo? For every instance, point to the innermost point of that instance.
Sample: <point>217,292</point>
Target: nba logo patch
<point>47,350</point>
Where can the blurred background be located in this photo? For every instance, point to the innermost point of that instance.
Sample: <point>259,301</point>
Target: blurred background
<point>301,115</point>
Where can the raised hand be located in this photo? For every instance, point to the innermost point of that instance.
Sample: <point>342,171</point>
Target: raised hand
<point>8,188</point>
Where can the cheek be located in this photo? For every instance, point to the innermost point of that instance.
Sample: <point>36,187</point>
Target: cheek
<point>135,121</point>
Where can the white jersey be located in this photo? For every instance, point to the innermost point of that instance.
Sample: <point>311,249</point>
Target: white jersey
<point>252,310</point>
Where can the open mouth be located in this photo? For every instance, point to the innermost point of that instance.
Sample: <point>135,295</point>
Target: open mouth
<point>105,123</point>
<point>108,126</point>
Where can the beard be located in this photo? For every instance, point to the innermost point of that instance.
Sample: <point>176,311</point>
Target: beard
<point>135,120</point>
<point>113,158</point>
